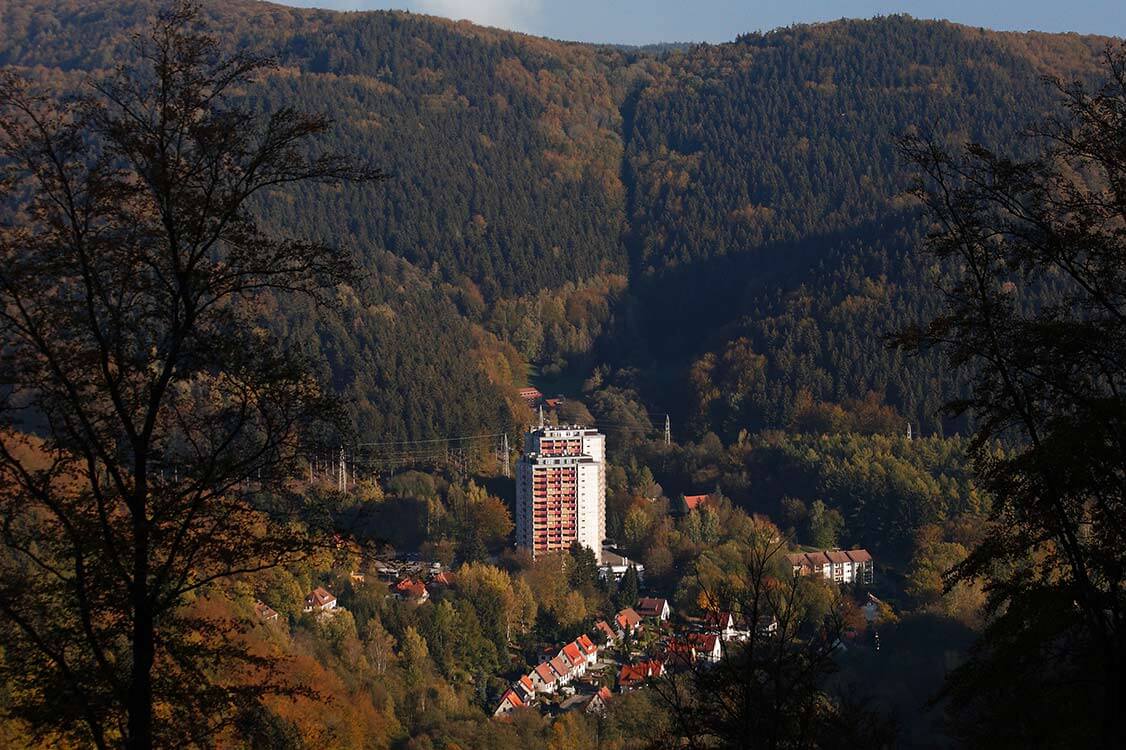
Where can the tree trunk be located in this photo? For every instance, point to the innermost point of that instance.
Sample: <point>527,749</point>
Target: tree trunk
<point>139,700</point>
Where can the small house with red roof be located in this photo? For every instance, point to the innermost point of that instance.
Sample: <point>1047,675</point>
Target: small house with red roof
<point>562,669</point>
<point>319,600</point>
<point>531,396</point>
<point>265,612</point>
<point>680,654</point>
<point>509,702</point>
<point>411,590</point>
<point>525,688</point>
<point>444,580</point>
<point>544,678</point>
<point>656,609</point>
<point>633,676</point>
<point>708,646</point>
<point>628,620</point>
<point>587,647</point>
<point>576,661</point>
<point>726,626</point>
<point>690,503</point>
<point>604,627</point>
<point>598,702</point>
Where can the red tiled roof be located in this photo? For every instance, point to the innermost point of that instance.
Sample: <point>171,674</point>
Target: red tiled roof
<point>545,673</point>
<point>512,698</point>
<point>586,645</point>
<point>859,555</point>
<point>635,674</point>
<point>720,619</point>
<point>560,665</point>
<point>648,607</point>
<point>837,556</point>
<point>442,579</point>
<point>680,653</point>
<point>695,501</point>
<point>704,642</point>
<point>628,617</point>
<point>573,653</point>
<point>817,558</point>
<point>264,611</point>
<point>797,558</point>
<point>605,628</point>
<point>526,682</point>
<point>319,597</point>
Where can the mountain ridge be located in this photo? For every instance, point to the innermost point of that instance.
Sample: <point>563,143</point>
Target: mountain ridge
<point>736,179</point>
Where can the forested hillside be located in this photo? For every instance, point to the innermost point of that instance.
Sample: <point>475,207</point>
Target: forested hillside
<point>717,231</point>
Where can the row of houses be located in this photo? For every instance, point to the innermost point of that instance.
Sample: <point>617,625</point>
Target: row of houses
<point>551,675</point>
<point>840,566</point>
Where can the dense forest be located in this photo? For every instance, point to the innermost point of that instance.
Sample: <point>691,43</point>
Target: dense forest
<point>719,230</point>
<point>725,236</point>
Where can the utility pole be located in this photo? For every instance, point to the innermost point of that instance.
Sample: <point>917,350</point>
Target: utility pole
<point>342,478</point>
<point>668,431</point>
<point>504,452</point>
<point>541,416</point>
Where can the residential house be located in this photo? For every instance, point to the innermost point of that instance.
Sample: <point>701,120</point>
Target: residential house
<point>524,688</point>
<point>633,676</point>
<point>604,627</point>
<point>356,579</point>
<point>544,679</point>
<point>320,600</point>
<point>562,668</point>
<point>531,396</point>
<point>411,590</point>
<point>680,654</point>
<point>840,566</point>
<point>576,661</point>
<point>615,564</point>
<point>510,701</point>
<point>690,503</point>
<point>871,609</point>
<point>863,568</point>
<point>726,626</point>
<point>657,609</point>
<point>265,612</point>
<point>590,651</point>
<point>627,621</point>
<point>598,702</point>
<point>708,646</point>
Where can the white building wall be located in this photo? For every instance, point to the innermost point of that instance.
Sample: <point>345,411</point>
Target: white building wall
<point>590,484</point>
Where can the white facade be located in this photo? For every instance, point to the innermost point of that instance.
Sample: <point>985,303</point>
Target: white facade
<point>561,490</point>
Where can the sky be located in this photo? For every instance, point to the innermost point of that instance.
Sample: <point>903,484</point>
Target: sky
<point>650,21</point>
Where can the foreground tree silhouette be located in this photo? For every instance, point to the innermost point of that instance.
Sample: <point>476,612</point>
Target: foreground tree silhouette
<point>130,267</point>
<point>1052,380</point>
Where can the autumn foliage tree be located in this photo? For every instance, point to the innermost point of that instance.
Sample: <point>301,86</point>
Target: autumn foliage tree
<point>130,268</point>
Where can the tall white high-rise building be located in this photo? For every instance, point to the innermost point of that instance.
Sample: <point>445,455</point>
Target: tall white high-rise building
<point>561,490</point>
